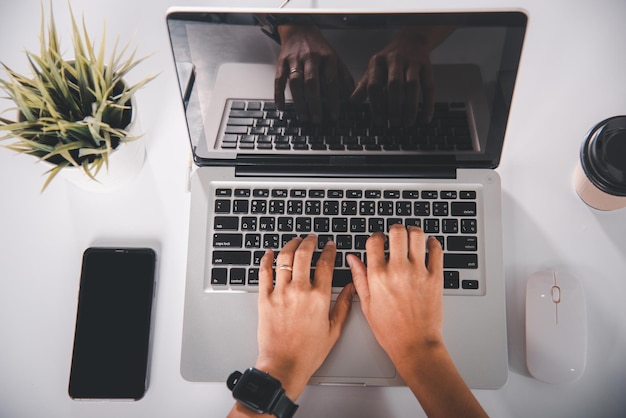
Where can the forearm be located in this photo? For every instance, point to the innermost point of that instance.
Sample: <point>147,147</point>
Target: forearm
<point>438,386</point>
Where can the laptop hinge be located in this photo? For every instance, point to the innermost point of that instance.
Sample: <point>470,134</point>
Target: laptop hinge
<point>346,166</point>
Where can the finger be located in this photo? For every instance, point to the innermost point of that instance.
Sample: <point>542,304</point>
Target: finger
<point>296,85</point>
<point>435,257</point>
<point>280,82</point>
<point>398,243</point>
<point>302,261</point>
<point>427,83</point>
<point>285,259</point>
<point>330,87</point>
<point>375,250</point>
<point>360,91</point>
<point>339,313</point>
<point>412,94</point>
<point>266,274</point>
<point>359,277</point>
<point>417,246</point>
<point>375,91</point>
<point>312,88</point>
<point>395,91</point>
<point>346,80</point>
<point>325,267</point>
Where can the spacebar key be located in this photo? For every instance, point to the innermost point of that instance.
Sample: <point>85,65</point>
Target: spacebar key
<point>232,257</point>
<point>460,261</point>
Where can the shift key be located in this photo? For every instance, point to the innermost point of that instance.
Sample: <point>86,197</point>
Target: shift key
<point>460,261</point>
<point>232,257</point>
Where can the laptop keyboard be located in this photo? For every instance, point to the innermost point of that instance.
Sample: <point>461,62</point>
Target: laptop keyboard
<point>246,221</point>
<point>255,124</point>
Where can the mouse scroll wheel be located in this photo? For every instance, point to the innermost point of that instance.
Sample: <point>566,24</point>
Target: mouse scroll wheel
<point>556,294</point>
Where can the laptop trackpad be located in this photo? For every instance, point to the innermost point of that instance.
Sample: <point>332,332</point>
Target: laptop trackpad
<point>357,353</point>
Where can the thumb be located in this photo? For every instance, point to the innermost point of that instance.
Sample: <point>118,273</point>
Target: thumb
<point>359,277</point>
<point>340,311</point>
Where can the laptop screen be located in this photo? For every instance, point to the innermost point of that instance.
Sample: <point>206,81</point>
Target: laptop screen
<point>396,88</point>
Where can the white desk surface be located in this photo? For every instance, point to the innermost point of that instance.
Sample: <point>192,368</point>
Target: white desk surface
<point>572,75</point>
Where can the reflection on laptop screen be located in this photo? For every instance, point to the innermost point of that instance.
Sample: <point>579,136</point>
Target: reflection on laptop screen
<point>419,84</point>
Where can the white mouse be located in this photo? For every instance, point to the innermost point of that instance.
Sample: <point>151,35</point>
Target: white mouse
<point>556,327</point>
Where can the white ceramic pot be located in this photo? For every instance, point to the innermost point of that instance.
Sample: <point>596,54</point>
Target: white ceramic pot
<point>125,162</point>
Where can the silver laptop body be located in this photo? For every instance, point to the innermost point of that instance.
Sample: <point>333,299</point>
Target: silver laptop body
<point>344,188</point>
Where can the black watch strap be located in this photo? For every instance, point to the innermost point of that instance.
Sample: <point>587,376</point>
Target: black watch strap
<point>284,407</point>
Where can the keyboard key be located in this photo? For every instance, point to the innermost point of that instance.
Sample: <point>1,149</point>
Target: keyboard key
<point>410,194</point>
<point>467,195</point>
<point>248,223</point>
<point>252,241</point>
<point>344,242</point>
<point>450,226</point>
<point>242,192</point>
<point>460,261</point>
<point>230,223</point>
<point>348,207</point>
<point>231,257</point>
<point>357,225</point>
<point>227,240</point>
<point>321,224</point>
<point>238,276</point>
<point>219,276</point>
<point>450,279</point>
<point>468,226</point>
<point>469,284</point>
<point>317,194</point>
<point>462,243</point>
<point>223,192</point>
<point>253,276</point>
<point>339,224</point>
<point>431,226</point>
<point>222,206</point>
<point>448,194</point>
<point>421,208</point>
<point>440,208</point>
<point>463,208</point>
<point>391,194</point>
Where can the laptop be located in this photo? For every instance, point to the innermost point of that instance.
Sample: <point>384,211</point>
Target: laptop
<point>264,176</point>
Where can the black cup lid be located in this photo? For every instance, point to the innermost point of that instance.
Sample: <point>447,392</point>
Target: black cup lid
<point>603,156</point>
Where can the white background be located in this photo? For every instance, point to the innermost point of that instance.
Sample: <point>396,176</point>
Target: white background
<point>572,75</point>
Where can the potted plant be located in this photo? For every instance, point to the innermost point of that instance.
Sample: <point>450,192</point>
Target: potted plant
<point>74,114</point>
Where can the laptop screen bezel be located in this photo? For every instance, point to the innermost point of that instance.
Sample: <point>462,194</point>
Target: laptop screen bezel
<point>515,23</point>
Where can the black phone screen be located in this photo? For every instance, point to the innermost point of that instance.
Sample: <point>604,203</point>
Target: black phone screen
<point>112,336</point>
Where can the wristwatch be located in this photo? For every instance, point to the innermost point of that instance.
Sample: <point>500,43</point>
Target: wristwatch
<point>261,393</point>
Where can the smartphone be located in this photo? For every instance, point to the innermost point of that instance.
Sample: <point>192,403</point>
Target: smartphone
<point>113,324</point>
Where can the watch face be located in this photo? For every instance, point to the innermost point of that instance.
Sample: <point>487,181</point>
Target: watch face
<point>256,389</point>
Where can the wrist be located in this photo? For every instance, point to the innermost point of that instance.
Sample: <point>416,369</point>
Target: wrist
<point>410,357</point>
<point>292,381</point>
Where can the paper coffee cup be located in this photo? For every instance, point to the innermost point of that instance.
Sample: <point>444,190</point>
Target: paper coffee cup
<point>600,176</point>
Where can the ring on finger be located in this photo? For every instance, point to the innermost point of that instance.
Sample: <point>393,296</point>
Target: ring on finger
<point>284,267</point>
<point>294,71</point>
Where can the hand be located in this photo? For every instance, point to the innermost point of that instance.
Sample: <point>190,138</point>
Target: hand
<point>401,298</point>
<point>297,329</point>
<point>394,79</point>
<point>317,76</point>
<point>402,301</point>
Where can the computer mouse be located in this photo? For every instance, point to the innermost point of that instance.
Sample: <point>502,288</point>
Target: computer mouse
<point>556,327</point>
